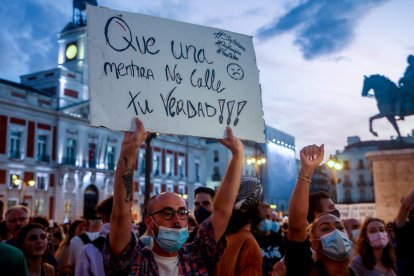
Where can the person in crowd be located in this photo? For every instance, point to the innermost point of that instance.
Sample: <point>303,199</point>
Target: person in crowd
<point>16,217</point>
<point>375,254</point>
<point>4,231</point>
<point>391,234</point>
<point>269,239</point>
<point>203,206</point>
<point>320,202</point>
<point>1,210</point>
<point>352,228</point>
<point>62,254</point>
<point>404,235</point>
<point>12,261</point>
<point>203,203</point>
<point>32,240</point>
<point>167,220</point>
<point>93,226</point>
<point>90,260</point>
<point>242,255</point>
<point>49,255</point>
<point>327,235</point>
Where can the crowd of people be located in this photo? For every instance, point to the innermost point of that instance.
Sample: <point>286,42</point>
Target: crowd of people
<point>231,231</point>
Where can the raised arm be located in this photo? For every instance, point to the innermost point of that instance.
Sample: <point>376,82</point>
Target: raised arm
<point>406,206</point>
<point>311,157</point>
<point>120,233</point>
<point>227,192</point>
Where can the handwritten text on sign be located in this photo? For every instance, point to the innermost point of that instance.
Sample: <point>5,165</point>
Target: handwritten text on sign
<point>178,78</point>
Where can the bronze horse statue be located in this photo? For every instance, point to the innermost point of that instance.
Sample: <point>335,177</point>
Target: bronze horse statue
<point>388,96</point>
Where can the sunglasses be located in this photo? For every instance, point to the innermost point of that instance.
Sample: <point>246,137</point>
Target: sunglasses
<point>168,213</point>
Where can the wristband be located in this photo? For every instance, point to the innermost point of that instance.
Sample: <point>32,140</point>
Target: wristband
<point>304,178</point>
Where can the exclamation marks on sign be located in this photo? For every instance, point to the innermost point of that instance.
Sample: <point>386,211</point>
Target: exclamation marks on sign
<point>230,106</point>
<point>240,106</point>
<point>221,105</point>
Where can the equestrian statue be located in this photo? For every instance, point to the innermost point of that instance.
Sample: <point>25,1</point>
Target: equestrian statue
<point>393,101</point>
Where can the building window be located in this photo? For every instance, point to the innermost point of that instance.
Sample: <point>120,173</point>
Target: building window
<point>41,182</point>
<point>197,171</point>
<point>216,156</point>
<point>39,207</point>
<point>141,158</point>
<point>216,174</point>
<point>347,196</point>
<point>181,167</point>
<point>42,154</point>
<point>181,190</point>
<point>170,188</point>
<point>360,164</point>
<point>110,157</point>
<point>362,194</point>
<point>169,165</point>
<point>15,181</point>
<point>347,181</point>
<point>157,189</point>
<point>15,144</point>
<point>70,151</point>
<point>92,155</point>
<point>361,180</point>
<point>347,165</point>
<point>141,189</point>
<point>156,163</point>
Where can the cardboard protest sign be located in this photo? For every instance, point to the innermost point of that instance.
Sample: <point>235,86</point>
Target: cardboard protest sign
<point>178,78</point>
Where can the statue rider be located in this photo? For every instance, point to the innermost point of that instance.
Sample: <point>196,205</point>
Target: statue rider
<point>406,86</point>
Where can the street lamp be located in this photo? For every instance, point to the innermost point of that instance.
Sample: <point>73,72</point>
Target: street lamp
<point>335,165</point>
<point>19,182</point>
<point>257,162</point>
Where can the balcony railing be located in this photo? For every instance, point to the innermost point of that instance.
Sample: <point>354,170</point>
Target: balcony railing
<point>68,161</point>
<point>43,158</point>
<point>15,154</point>
<point>92,164</point>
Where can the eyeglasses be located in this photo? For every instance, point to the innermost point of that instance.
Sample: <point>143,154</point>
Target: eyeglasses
<point>14,220</point>
<point>168,213</point>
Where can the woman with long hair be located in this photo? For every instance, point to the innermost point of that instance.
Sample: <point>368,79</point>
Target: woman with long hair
<point>62,253</point>
<point>32,240</point>
<point>375,253</point>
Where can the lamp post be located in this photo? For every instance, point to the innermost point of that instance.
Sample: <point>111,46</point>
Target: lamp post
<point>17,182</point>
<point>148,161</point>
<point>258,161</point>
<point>335,165</point>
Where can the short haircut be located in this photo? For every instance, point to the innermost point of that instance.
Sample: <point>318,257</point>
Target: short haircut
<point>18,207</point>
<point>205,190</point>
<point>315,204</point>
<point>105,207</point>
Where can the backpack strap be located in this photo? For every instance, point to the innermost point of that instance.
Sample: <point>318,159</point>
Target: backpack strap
<point>99,243</point>
<point>85,238</point>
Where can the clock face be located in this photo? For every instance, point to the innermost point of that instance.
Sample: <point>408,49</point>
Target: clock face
<point>71,51</point>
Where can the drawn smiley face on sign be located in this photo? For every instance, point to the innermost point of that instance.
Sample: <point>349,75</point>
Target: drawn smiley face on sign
<point>235,71</point>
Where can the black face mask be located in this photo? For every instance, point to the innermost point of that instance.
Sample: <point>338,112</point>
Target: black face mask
<point>201,214</point>
<point>336,213</point>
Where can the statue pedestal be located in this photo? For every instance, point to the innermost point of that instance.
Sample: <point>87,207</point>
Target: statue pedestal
<point>393,172</point>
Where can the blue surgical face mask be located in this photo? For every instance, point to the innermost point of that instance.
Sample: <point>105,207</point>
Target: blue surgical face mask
<point>336,245</point>
<point>171,239</point>
<point>355,234</point>
<point>275,227</point>
<point>265,225</point>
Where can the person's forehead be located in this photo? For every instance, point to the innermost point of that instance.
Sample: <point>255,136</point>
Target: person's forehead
<point>202,197</point>
<point>169,200</point>
<point>375,224</point>
<point>16,213</point>
<point>328,218</point>
<point>36,231</point>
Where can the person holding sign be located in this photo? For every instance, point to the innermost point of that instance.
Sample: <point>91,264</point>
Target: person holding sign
<point>167,219</point>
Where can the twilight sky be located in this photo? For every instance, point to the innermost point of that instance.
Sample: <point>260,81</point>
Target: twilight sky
<point>312,55</point>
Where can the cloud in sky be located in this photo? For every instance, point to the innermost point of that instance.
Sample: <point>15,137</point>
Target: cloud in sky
<point>321,26</point>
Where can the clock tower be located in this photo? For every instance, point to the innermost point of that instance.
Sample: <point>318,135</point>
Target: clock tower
<point>72,41</point>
